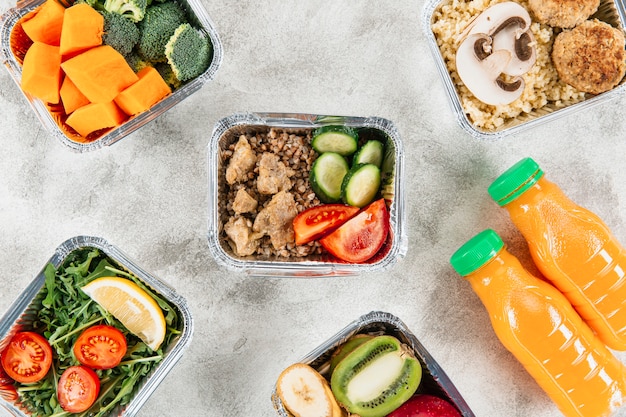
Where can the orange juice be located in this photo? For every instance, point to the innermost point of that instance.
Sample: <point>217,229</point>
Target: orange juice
<point>539,326</point>
<point>571,246</point>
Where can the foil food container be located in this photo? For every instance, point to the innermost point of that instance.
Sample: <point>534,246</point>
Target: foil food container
<point>12,41</point>
<point>227,131</point>
<point>609,11</point>
<point>434,379</point>
<point>23,311</point>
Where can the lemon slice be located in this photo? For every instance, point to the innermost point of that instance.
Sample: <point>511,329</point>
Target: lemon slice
<point>131,305</point>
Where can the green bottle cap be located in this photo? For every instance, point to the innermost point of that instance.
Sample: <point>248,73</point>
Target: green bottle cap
<point>514,181</point>
<point>476,252</point>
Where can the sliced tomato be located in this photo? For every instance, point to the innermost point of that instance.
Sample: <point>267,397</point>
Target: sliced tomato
<point>358,239</point>
<point>78,389</point>
<point>100,347</point>
<point>27,358</point>
<point>315,222</point>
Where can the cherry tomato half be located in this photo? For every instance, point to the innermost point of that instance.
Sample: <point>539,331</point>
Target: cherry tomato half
<point>315,222</point>
<point>358,239</point>
<point>27,358</point>
<point>100,347</point>
<point>78,389</point>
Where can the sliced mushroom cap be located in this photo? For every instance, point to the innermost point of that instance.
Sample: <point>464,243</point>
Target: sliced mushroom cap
<point>482,73</point>
<point>508,24</point>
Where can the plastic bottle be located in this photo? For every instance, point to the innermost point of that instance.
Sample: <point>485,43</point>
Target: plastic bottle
<point>539,326</point>
<point>571,246</point>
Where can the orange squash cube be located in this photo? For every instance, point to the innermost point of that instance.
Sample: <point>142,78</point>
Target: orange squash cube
<point>41,72</point>
<point>140,96</point>
<point>83,28</point>
<point>46,23</point>
<point>95,116</point>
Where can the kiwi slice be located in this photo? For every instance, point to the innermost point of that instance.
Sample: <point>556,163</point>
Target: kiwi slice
<point>343,350</point>
<point>376,377</point>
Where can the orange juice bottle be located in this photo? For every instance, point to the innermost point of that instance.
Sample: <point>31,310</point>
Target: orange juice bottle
<point>539,326</point>
<point>571,246</point>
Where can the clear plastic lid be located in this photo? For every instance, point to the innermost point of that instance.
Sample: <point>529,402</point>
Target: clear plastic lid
<point>476,252</point>
<point>515,181</point>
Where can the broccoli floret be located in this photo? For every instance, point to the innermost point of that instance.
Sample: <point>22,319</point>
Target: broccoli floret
<point>119,32</point>
<point>188,52</point>
<point>134,10</point>
<point>136,62</point>
<point>167,74</point>
<point>96,4</point>
<point>157,26</point>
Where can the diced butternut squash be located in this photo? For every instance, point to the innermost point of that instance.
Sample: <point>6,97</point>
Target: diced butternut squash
<point>41,72</point>
<point>100,73</point>
<point>46,23</point>
<point>95,116</point>
<point>71,97</point>
<point>82,29</point>
<point>140,96</point>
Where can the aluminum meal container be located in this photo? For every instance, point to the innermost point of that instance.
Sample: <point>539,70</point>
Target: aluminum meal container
<point>13,54</point>
<point>227,132</point>
<point>609,11</point>
<point>22,311</point>
<point>434,379</point>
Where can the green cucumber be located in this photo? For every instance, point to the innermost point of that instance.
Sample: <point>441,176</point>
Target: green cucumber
<point>360,185</point>
<point>370,153</point>
<point>326,176</point>
<point>339,139</point>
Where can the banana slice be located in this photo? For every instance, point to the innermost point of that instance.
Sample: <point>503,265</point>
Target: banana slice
<point>305,393</point>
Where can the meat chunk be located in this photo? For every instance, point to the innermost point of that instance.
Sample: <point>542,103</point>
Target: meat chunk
<point>276,219</point>
<point>590,57</point>
<point>244,202</point>
<point>274,175</point>
<point>241,163</point>
<point>243,240</point>
<point>563,13</point>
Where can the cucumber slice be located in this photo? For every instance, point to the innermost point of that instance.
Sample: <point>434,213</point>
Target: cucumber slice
<point>360,185</point>
<point>370,153</point>
<point>327,175</point>
<point>339,139</point>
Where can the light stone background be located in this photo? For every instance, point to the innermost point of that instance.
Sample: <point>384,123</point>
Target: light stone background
<point>147,194</point>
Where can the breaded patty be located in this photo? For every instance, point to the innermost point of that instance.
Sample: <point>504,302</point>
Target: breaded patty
<point>563,13</point>
<point>590,57</point>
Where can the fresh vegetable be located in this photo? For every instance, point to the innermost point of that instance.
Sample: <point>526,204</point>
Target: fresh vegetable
<point>100,73</point>
<point>315,222</point>
<point>120,32</point>
<point>63,312</point>
<point>100,347</point>
<point>78,389</point>
<point>45,23</point>
<point>360,185</point>
<point>131,305</point>
<point>133,10</point>
<point>371,152</point>
<point>27,357</point>
<point>305,393</point>
<point>143,94</point>
<point>41,72</point>
<point>376,377</point>
<point>339,139</point>
<point>326,176</point>
<point>95,116</point>
<point>425,405</point>
<point>361,237</point>
<point>188,52</point>
<point>82,29</point>
<point>157,26</point>
<point>71,97</point>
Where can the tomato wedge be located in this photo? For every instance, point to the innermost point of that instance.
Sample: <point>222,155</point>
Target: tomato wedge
<point>27,358</point>
<point>78,389</point>
<point>315,222</point>
<point>100,347</point>
<point>358,239</point>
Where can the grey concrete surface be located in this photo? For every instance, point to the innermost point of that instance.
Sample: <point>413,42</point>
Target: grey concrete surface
<point>147,194</point>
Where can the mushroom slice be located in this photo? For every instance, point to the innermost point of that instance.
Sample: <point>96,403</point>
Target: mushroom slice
<point>481,72</point>
<point>508,24</point>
